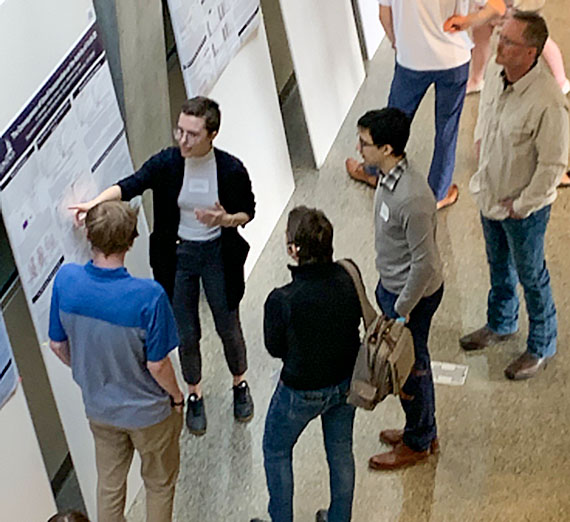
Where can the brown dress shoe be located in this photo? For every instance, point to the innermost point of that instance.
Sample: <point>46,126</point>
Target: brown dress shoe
<point>399,457</point>
<point>482,338</point>
<point>394,437</point>
<point>525,367</point>
<point>451,197</point>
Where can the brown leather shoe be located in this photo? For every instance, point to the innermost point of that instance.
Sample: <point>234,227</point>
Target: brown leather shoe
<point>399,457</point>
<point>482,338</point>
<point>525,367</point>
<point>451,197</point>
<point>394,437</point>
<point>356,171</point>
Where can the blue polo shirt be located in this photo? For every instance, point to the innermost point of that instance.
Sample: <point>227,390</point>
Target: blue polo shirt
<point>115,324</point>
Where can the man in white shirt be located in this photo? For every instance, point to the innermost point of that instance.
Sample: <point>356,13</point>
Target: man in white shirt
<point>427,54</point>
<point>522,135</point>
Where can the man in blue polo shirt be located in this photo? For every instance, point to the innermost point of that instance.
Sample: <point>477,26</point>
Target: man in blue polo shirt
<point>115,331</point>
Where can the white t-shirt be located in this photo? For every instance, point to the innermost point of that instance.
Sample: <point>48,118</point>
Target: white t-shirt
<point>421,42</point>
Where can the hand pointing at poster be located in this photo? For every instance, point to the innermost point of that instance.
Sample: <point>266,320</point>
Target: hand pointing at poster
<point>80,209</point>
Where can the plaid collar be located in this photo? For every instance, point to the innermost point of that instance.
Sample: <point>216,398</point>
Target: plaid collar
<point>391,179</point>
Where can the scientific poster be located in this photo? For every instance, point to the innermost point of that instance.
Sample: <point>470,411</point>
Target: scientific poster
<point>8,370</point>
<point>208,35</point>
<point>65,146</point>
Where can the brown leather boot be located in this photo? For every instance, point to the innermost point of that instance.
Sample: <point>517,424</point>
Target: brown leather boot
<point>394,437</point>
<point>399,457</point>
<point>482,338</point>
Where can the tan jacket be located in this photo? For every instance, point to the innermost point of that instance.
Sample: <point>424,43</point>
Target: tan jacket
<point>524,142</point>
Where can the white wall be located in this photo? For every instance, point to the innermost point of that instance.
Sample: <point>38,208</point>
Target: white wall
<point>252,130</point>
<point>328,65</point>
<point>372,29</point>
<point>25,492</point>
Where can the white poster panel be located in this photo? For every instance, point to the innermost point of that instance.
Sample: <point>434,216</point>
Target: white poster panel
<point>64,147</point>
<point>372,29</point>
<point>208,34</point>
<point>8,371</point>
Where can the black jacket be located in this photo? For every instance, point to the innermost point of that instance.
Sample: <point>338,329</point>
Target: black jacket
<point>163,173</point>
<point>312,324</point>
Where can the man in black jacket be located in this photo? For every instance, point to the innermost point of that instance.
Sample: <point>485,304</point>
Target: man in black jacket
<point>312,325</point>
<point>201,195</point>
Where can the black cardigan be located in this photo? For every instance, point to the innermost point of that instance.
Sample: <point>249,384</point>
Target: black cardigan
<point>163,173</point>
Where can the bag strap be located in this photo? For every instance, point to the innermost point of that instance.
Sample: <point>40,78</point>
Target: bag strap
<point>368,312</point>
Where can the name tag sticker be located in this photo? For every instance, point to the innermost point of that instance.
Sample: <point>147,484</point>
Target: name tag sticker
<point>384,211</point>
<point>198,185</point>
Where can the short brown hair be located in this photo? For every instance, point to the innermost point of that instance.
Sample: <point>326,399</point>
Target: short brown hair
<point>535,33</point>
<point>206,108</point>
<point>312,233</point>
<point>111,227</point>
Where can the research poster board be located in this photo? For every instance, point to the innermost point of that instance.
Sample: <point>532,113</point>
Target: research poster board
<point>8,371</point>
<point>66,145</point>
<point>208,34</point>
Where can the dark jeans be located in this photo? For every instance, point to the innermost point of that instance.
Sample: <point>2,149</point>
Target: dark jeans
<point>289,413</point>
<point>418,400</point>
<point>407,91</point>
<point>203,259</point>
<point>515,252</point>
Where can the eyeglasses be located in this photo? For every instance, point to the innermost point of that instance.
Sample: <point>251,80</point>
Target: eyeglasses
<point>183,135</point>
<point>364,143</point>
<point>507,41</point>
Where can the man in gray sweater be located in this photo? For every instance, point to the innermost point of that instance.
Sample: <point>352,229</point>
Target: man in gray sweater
<point>411,282</point>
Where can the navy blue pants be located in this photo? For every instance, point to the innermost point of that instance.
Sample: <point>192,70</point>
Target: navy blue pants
<point>418,396</point>
<point>407,91</point>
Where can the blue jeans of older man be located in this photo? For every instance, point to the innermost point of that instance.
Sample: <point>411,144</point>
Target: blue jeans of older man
<point>407,91</point>
<point>515,252</point>
<point>418,395</point>
<point>289,413</point>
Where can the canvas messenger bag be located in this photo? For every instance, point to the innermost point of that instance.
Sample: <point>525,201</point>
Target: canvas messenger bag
<point>386,355</point>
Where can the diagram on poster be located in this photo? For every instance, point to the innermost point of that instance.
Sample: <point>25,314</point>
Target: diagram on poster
<point>208,35</point>
<point>65,146</point>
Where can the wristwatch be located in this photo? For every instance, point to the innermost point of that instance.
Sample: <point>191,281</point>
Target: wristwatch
<point>174,404</point>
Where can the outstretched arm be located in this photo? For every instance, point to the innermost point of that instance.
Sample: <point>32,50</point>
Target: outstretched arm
<point>492,9</point>
<point>109,194</point>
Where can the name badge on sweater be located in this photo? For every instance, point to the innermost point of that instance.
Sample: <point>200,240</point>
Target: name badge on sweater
<point>384,211</point>
<point>198,185</point>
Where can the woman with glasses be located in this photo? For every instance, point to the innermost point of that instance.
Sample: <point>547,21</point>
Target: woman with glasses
<point>201,195</point>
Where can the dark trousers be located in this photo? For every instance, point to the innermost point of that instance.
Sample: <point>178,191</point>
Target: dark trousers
<point>418,396</point>
<point>407,91</point>
<point>203,260</point>
<point>289,413</point>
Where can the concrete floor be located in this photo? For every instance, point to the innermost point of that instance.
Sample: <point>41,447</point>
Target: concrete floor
<point>505,446</point>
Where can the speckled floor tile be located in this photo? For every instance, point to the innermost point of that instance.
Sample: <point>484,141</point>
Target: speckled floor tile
<point>505,446</point>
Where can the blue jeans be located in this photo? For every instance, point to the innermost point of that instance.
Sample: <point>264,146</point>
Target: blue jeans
<point>407,91</point>
<point>418,395</point>
<point>289,413</point>
<point>515,252</point>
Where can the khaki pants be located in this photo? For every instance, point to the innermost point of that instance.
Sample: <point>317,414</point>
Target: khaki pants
<point>159,450</point>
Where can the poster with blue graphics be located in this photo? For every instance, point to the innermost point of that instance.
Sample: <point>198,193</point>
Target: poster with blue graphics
<point>8,370</point>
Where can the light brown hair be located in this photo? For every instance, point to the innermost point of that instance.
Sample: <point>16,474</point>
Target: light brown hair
<point>111,227</point>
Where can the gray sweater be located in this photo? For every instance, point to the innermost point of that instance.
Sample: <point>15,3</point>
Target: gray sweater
<point>407,257</point>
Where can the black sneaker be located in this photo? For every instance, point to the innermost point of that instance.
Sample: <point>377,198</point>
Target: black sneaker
<point>196,415</point>
<point>243,403</point>
<point>322,515</point>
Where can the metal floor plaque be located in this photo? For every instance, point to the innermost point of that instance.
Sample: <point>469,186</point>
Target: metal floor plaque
<point>449,373</point>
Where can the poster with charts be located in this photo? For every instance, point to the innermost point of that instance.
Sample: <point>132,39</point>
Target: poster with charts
<point>208,35</point>
<point>65,146</point>
<point>8,370</point>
